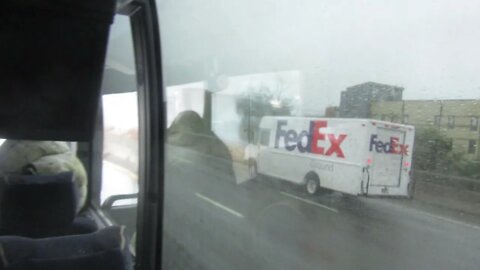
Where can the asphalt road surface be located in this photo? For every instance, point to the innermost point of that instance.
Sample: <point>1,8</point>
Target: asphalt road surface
<point>212,223</point>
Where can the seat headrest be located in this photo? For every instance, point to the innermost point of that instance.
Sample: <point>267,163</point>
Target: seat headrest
<point>37,205</point>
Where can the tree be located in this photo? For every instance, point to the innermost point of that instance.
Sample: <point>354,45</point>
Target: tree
<point>433,152</point>
<point>256,103</point>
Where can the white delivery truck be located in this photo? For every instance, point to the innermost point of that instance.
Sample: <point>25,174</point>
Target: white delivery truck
<point>353,156</point>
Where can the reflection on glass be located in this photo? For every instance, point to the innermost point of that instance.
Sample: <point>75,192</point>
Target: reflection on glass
<point>352,130</point>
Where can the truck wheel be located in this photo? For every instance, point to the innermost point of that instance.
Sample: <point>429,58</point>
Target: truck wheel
<point>312,184</point>
<point>410,190</point>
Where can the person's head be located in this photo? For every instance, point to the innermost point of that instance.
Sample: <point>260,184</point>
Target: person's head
<point>189,121</point>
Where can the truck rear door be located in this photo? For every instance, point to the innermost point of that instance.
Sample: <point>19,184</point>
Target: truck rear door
<point>387,158</point>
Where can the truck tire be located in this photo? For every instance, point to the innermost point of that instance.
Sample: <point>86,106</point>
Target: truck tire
<point>312,184</point>
<point>410,190</point>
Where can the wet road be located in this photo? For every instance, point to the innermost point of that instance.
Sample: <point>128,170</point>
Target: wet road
<point>283,231</point>
<point>212,223</point>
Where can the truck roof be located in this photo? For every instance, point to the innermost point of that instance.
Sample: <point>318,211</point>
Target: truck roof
<point>350,120</point>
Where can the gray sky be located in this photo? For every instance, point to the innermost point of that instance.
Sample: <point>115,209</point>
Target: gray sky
<point>432,48</point>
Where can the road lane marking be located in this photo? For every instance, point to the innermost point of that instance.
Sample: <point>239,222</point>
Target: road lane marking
<point>456,222</point>
<point>219,205</point>
<point>420,212</point>
<point>309,202</point>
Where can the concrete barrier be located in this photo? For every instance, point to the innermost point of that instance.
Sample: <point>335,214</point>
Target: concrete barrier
<point>456,182</point>
<point>449,197</point>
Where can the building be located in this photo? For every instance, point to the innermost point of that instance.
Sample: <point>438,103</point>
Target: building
<point>457,119</point>
<point>331,111</point>
<point>355,101</point>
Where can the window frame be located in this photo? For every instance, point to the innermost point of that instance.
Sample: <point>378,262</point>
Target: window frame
<point>98,138</point>
<point>472,147</point>
<point>474,123</point>
<point>451,121</point>
<point>152,119</point>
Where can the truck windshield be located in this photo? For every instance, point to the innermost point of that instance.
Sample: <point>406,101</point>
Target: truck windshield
<point>321,134</point>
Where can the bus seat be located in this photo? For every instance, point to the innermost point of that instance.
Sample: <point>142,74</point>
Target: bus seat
<point>43,158</point>
<point>40,206</point>
<point>105,249</point>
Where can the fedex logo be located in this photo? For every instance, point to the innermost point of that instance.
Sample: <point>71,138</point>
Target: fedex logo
<point>294,140</point>
<point>391,147</point>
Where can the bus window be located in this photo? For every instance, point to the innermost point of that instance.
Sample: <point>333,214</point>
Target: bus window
<point>371,160</point>
<point>120,115</point>
<point>120,119</point>
<point>120,150</point>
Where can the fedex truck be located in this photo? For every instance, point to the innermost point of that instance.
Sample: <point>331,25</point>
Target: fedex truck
<point>353,156</point>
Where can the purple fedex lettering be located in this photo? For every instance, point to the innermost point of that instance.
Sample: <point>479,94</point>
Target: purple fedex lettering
<point>280,132</point>
<point>294,140</point>
<point>305,134</point>
<point>291,137</point>
<point>391,147</point>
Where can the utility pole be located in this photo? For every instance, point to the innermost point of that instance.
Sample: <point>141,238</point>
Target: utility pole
<point>249,128</point>
<point>207,108</point>
<point>215,82</point>
<point>211,87</point>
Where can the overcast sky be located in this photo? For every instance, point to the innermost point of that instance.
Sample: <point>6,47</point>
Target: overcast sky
<point>432,48</point>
